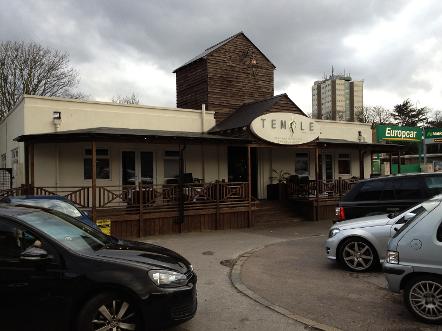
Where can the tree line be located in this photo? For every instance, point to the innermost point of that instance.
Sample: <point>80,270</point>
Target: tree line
<point>404,114</point>
<point>30,68</point>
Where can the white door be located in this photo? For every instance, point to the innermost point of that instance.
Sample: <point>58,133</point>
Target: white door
<point>137,166</point>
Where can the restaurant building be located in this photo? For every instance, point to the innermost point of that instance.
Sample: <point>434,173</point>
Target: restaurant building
<point>204,165</point>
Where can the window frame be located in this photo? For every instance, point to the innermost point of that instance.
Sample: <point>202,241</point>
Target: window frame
<point>47,245</point>
<point>87,156</point>
<point>340,158</point>
<point>3,160</point>
<point>169,158</point>
<point>307,158</point>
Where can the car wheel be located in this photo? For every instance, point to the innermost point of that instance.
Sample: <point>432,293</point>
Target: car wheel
<point>423,298</point>
<point>357,254</point>
<point>109,311</point>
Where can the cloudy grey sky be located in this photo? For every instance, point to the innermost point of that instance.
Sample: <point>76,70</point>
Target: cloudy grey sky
<point>120,47</point>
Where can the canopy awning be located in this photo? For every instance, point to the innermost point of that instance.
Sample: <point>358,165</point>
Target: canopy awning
<point>128,135</point>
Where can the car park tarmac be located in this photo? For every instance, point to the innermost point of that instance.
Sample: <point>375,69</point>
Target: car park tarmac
<point>287,267</point>
<point>295,275</point>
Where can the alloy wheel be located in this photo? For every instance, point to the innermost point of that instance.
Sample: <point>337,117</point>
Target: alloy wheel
<point>425,298</point>
<point>114,316</point>
<point>358,255</point>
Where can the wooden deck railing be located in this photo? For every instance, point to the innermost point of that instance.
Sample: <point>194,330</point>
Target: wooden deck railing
<point>329,189</point>
<point>149,195</point>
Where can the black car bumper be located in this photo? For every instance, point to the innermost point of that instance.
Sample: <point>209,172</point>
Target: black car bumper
<point>173,306</point>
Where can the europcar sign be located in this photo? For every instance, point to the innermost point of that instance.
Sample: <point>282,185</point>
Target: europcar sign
<point>285,128</point>
<point>433,135</point>
<point>398,133</point>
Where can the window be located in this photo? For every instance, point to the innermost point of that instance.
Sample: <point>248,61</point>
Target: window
<point>103,163</point>
<point>171,164</point>
<point>3,161</point>
<point>439,233</point>
<point>434,184</point>
<point>370,191</point>
<point>408,189</point>
<point>67,232</point>
<point>302,164</point>
<point>388,193</point>
<point>344,164</point>
<point>14,162</point>
<point>13,241</point>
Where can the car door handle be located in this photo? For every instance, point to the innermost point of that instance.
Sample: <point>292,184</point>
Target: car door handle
<point>15,285</point>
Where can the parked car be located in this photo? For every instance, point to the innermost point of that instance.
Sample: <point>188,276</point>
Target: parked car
<point>360,244</point>
<point>388,195</point>
<point>414,265</point>
<point>54,202</point>
<point>58,273</point>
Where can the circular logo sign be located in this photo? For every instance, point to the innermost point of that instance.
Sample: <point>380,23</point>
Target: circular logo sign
<point>285,128</point>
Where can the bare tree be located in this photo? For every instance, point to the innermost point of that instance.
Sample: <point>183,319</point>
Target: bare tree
<point>29,68</point>
<point>435,119</point>
<point>373,114</point>
<point>128,100</point>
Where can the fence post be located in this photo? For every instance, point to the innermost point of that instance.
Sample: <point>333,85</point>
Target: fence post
<point>140,199</point>
<point>217,205</point>
<point>249,186</point>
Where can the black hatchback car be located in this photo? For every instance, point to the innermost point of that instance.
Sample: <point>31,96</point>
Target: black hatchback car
<point>389,194</point>
<point>56,273</point>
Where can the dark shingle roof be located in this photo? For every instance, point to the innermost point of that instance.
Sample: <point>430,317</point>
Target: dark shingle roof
<point>113,134</point>
<point>209,50</point>
<point>245,114</point>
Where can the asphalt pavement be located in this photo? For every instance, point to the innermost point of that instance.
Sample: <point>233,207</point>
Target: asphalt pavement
<point>296,276</point>
<point>221,306</point>
<point>285,282</point>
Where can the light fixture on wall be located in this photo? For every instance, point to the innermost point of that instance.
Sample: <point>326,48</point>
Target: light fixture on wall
<point>56,119</point>
<point>360,138</point>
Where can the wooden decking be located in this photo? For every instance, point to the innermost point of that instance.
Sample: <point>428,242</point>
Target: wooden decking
<point>142,210</point>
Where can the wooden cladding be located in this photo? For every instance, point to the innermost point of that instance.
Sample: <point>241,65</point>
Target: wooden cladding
<point>231,75</point>
<point>191,85</point>
<point>226,217</point>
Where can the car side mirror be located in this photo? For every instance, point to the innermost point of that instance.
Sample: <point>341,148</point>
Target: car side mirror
<point>408,216</point>
<point>34,254</point>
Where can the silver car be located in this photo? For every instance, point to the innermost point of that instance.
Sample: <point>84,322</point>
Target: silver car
<point>360,244</point>
<point>414,263</point>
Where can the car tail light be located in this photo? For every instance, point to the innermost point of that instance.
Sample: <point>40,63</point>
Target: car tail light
<point>340,214</point>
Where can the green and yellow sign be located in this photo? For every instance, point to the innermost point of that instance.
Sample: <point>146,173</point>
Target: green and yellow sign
<point>433,135</point>
<point>398,133</point>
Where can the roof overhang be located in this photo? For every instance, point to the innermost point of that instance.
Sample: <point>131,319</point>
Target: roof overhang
<point>129,135</point>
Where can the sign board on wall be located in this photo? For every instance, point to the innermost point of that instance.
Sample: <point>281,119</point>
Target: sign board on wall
<point>285,128</point>
<point>433,135</point>
<point>398,133</point>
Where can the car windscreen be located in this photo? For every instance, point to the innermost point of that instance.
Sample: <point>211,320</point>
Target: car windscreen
<point>58,205</point>
<point>434,184</point>
<point>68,232</point>
<point>419,212</point>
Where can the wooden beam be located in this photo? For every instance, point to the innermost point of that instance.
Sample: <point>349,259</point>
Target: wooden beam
<point>26,145</point>
<point>391,163</point>
<point>94,181</point>
<point>361,164</point>
<point>249,175</point>
<point>31,164</point>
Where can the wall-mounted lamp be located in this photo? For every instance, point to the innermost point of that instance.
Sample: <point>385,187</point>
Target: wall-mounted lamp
<point>56,119</point>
